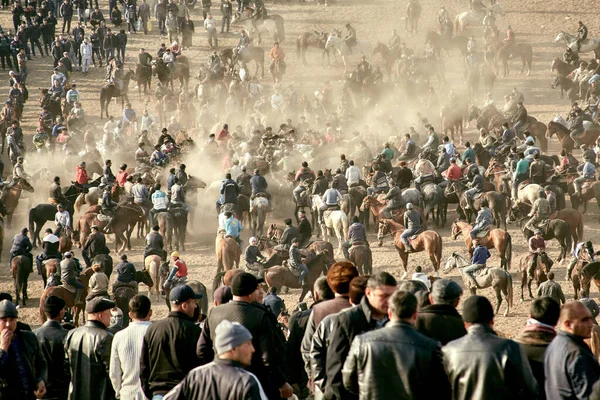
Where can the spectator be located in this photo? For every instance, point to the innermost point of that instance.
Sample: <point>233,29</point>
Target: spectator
<point>273,302</point>
<point>440,320</point>
<point>222,295</point>
<point>127,349</point>
<point>551,289</point>
<point>371,314</point>
<point>482,365</point>
<point>389,362</point>
<point>88,353</point>
<point>168,347</point>
<point>419,275</point>
<point>225,377</point>
<point>51,337</point>
<point>571,368</point>
<point>246,308</point>
<point>593,341</point>
<point>537,335</point>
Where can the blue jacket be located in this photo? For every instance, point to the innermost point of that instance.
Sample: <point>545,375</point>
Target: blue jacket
<point>229,191</point>
<point>484,218</point>
<point>468,153</point>
<point>259,184</point>
<point>480,255</point>
<point>588,170</point>
<point>233,227</point>
<point>332,197</point>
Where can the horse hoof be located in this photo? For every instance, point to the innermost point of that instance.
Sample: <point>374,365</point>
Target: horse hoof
<point>436,274</point>
<point>506,314</point>
<point>403,276</point>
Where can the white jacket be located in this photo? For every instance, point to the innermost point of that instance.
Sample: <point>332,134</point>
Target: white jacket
<point>86,50</point>
<point>210,24</point>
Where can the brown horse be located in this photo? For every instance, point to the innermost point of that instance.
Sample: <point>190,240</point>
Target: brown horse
<point>564,138</point>
<point>228,252</point>
<point>281,276</point>
<point>495,171</point>
<point>68,296</point>
<point>522,50</point>
<point>359,256</point>
<point>10,197</point>
<point>589,191</point>
<point>311,39</point>
<point>49,268</point>
<point>154,265</point>
<point>453,118</point>
<point>429,241</point>
<point>589,273</point>
<point>20,269</point>
<point>376,206</point>
<point>540,273</point>
<point>495,239</point>
<point>498,202</point>
<point>65,242</point>
<point>124,221</point>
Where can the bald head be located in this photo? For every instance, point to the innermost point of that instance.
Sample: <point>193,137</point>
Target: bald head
<point>576,319</point>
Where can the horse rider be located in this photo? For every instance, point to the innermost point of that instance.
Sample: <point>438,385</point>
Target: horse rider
<point>288,234</point>
<point>410,149</point>
<point>509,41</point>
<point>506,138</point>
<point>489,20</point>
<point>277,56</point>
<point>478,261</point>
<point>433,140</point>
<point>178,274</point>
<point>62,219</point>
<point>243,182</point>
<point>584,251</point>
<point>145,59</point>
<point>394,42</point>
<point>182,175</point>
<point>576,127</point>
<point>483,221</point>
<point>539,212</point>
<point>81,177</point>
<point>443,161</point>
<point>588,173</point>
<point>69,276</point>
<point>424,170</point>
<point>56,194</point>
<point>243,42</point>
<point>520,117</point>
<point>357,235</point>
<point>160,203</point>
<point>339,182</point>
<point>141,156</point>
<point>296,261</point>
<point>582,32</point>
<point>570,57</point>
<point>588,154</point>
<point>475,187</point>
<point>21,246</point>
<point>109,177</point>
<point>178,196</point>
<point>155,244</point>
<point>350,37</point>
<point>304,229</point>
<point>259,184</point>
<point>331,200</point>
<point>537,246</point>
<point>379,182</point>
<point>233,227</point>
<point>229,193</point>
<point>19,171</point>
<point>304,174</point>
<point>253,257</point>
<point>141,195</point>
<point>109,207</point>
<point>412,223</point>
<point>442,18</point>
<point>394,200</point>
<point>551,197</point>
<point>95,244</point>
<point>50,244</point>
<point>537,170</point>
<point>125,275</point>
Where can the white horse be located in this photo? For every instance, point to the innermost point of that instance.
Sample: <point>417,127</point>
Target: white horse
<point>272,25</point>
<point>472,18</point>
<point>336,221</point>
<point>260,208</point>
<point>587,125</point>
<point>339,44</point>
<point>586,46</point>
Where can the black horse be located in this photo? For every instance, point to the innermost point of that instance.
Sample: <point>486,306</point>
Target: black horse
<point>51,103</point>
<point>21,268</point>
<point>42,213</point>
<point>110,91</point>
<point>180,220</point>
<point>123,294</point>
<point>248,54</point>
<point>105,261</point>
<point>143,77</point>
<point>167,75</point>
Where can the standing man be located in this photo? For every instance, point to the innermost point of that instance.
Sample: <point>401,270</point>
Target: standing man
<point>206,5</point>
<point>66,10</point>
<point>440,320</point>
<point>571,368</point>
<point>226,12</point>
<point>211,28</point>
<point>88,353</point>
<point>127,349</point>
<point>144,15</point>
<point>86,50</point>
<point>551,289</point>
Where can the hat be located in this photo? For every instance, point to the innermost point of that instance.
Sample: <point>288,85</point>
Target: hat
<point>229,335</point>
<point>592,306</point>
<point>8,310</point>
<point>477,310</point>
<point>53,304</point>
<point>244,284</point>
<point>537,231</point>
<point>98,304</point>
<point>183,293</point>
<point>409,206</point>
<point>223,295</point>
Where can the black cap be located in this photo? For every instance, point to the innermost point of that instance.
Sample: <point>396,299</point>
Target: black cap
<point>244,284</point>
<point>53,304</point>
<point>98,304</point>
<point>478,310</point>
<point>183,293</point>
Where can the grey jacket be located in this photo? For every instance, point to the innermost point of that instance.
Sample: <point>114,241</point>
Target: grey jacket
<point>412,219</point>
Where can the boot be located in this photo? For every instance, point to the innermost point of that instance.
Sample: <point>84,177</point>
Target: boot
<point>472,280</point>
<point>346,251</point>
<point>409,248</point>
<point>469,203</point>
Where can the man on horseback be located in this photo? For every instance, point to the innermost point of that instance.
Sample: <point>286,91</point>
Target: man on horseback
<point>253,257</point>
<point>145,59</point>
<point>155,244</point>
<point>295,261</point>
<point>576,127</point>
<point>109,207</point>
<point>94,245</point>
<point>357,235</point>
<point>350,37</point>
<point>277,56</point>
<point>304,229</point>
<point>588,173</point>
<point>551,197</point>
<point>584,251</point>
<point>243,42</point>
<point>21,246</point>
<point>571,57</point>
<point>233,227</point>
<point>483,221</point>
<point>160,203</point>
<point>424,170</point>
<point>229,193</point>
<point>125,275</point>
<point>395,42</point>
<point>582,33</point>
<point>412,224</point>
<point>331,199</point>
<point>537,246</point>
<point>394,200</point>
<point>259,184</point>
<point>81,177</point>
<point>410,148</point>
<point>50,244</point>
<point>476,186</point>
<point>62,219</point>
<point>178,274</point>
<point>339,182</point>
<point>69,276</point>
<point>56,194</point>
<point>442,18</point>
<point>520,117</point>
<point>539,213</point>
<point>478,261</point>
<point>304,174</point>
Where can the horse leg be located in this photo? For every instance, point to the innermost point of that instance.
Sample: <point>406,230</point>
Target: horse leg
<point>529,280</point>
<point>498,298</point>
<point>404,259</point>
<point>523,282</point>
<point>24,292</point>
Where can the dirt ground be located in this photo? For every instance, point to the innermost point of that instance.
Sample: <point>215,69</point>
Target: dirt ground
<point>536,22</point>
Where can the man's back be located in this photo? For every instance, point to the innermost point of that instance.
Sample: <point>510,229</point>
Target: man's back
<point>440,322</point>
<point>51,337</point>
<point>275,303</point>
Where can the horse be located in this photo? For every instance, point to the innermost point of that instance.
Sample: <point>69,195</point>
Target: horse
<point>488,76</point>
<point>360,258</point>
<point>497,278</point>
<point>228,252</point>
<point>105,261</point>
<point>10,198</point>
<point>563,134</point>
<point>166,75</point>
<point>389,56</point>
<point>522,50</point>
<point>158,270</point>
<point>587,45</point>
<point>473,18</point>
<point>452,120</point>
<point>21,268</point>
<point>590,272</point>
<point>51,104</point>
<point>566,85</point>
<point>333,221</point>
<point>247,54</point>
<point>311,39</point>
<point>413,12</point>
<point>279,276</point>
<point>122,294</point>
<point>49,267</point>
<point>125,219</point>
<point>143,77</point>
<point>589,191</point>
<point>110,91</point>
<point>540,272</point>
<point>433,197</point>
<point>429,241</point>
<point>38,216</point>
<point>179,218</point>
<point>472,76</point>
<point>164,220</point>
<point>496,201</point>
<point>440,43</point>
<point>260,208</point>
<point>339,44</point>
<point>68,296</point>
<point>494,239</point>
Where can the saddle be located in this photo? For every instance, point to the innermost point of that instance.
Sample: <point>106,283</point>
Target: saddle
<point>484,232</point>
<point>522,185</point>
<point>293,270</point>
<point>355,245</point>
<point>482,272</point>
<point>69,288</point>
<point>228,207</point>
<point>588,183</point>
<point>102,217</point>
<point>413,237</point>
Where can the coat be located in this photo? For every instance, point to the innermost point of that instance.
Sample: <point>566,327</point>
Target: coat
<point>297,327</point>
<point>482,365</point>
<point>51,337</point>
<point>534,340</point>
<point>440,322</point>
<point>88,352</point>
<point>95,244</point>
<point>389,363</point>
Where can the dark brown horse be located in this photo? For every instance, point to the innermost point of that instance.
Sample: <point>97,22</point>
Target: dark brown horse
<point>281,276</point>
<point>429,241</point>
<point>311,39</point>
<point>68,296</point>
<point>539,273</point>
<point>522,50</point>
<point>248,54</point>
<point>589,273</point>
<point>389,56</point>
<point>564,138</point>
<point>495,239</point>
<point>126,218</point>
<point>110,91</point>
<point>228,252</point>
<point>497,202</point>
<point>122,294</point>
<point>20,268</point>
<point>589,191</point>
<point>10,197</point>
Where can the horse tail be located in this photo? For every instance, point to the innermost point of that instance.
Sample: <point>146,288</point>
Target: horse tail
<point>32,224</point>
<point>568,240</point>
<point>280,29</point>
<point>529,57</point>
<point>217,281</point>
<point>508,251</point>
<point>509,289</point>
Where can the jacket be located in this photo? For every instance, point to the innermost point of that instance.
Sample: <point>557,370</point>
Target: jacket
<point>88,352</point>
<point>394,195</point>
<point>571,368</point>
<point>320,186</point>
<point>332,197</point>
<point>534,340</point>
<point>229,191</point>
<point>304,174</point>
<point>304,231</point>
<point>440,322</point>
<point>95,244</point>
<point>340,182</point>
<point>154,240</point>
<point>482,365</point>
<point>288,234</point>
<point>33,363</point>
<point>347,325</point>
<point>221,379</point>
<point>537,169</point>
<point>297,327</point>
<point>397,351</point>
<point>125,272</point>
<point>51,337</point>
<point>168,353</point>
<point>553,290</point>
<point>21,243</point>
<point>259,184</point>
<point>268,361</point>
<point>357,233</point>
<point>412,219</point>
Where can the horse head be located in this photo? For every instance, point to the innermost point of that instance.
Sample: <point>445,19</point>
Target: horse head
<point>451,262</point>
<point>560,36</point>
<point>456,230</point>
<point>144,277</point>
<point>384,228</point>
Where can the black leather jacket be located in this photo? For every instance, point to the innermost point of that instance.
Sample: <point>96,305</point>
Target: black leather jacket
<point>51,337</point>
<point>402,352</point>
<point>482,365</point>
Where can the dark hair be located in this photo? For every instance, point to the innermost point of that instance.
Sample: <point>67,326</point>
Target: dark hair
<point>418,268</point>
<point>536,156</point>
<point>273,290</point>
<point>357,288</point>
<point>403,304</point>
<point>6,296</point>
<point>550,275</point>
<point>139,306</point>
<point>381,279</point>
<point>445,291</point>
<point>412,286</point>
<point>322,289</point>
<point>545,310</point>
<point>228,176</point>
<point>423,298</point>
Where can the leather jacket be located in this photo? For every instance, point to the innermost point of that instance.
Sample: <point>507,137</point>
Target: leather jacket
<point>51,337</point>
<point>88,352</point>
<point>482,365</point>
